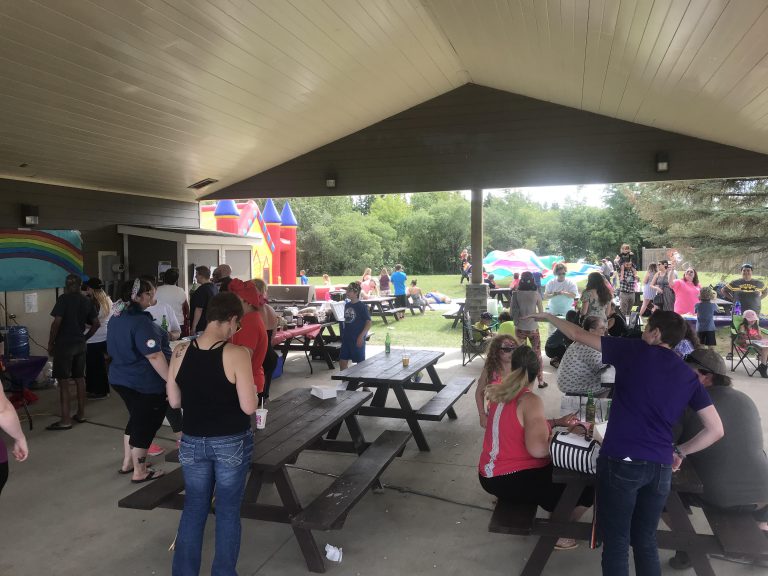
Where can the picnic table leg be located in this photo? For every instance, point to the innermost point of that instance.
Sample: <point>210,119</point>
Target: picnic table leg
<point>380,308</point>
<point>380,396</point>
<point>410,417</point>
<point>334,432</point>
<point>435,378</point>
<point>307,543</point>
<point>546,544</point>
<point>679,522</point>
<point>320,345</point>
<point>459,314</point>
<point>253,486</point>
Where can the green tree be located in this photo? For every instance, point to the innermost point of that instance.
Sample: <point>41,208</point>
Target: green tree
<point>708,219</point>
<point>391,209</point>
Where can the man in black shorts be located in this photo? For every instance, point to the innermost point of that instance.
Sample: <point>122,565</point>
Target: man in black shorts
<point>71,314</point>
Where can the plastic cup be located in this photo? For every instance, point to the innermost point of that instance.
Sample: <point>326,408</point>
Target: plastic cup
<point>406,360</point>
<point>261,418</point>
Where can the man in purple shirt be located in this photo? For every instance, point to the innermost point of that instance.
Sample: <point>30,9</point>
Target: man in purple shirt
<point>634,471</point>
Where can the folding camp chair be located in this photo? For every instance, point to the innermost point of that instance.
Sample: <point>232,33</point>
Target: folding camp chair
<point>473,343</point>
<point>743,352</point>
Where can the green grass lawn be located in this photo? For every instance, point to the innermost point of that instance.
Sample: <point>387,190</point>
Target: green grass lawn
<point>431,329</point>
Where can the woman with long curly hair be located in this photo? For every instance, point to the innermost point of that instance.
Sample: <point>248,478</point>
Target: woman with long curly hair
<point>515,464</point>
<point>497,367</point>
<point>596,298</point>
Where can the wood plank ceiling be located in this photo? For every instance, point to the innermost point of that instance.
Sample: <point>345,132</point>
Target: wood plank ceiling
<point>150,96</point>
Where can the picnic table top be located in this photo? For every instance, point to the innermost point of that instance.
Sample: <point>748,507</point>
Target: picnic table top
<point>306,330</point>
<point>296,420</point>
<point>385,367</point>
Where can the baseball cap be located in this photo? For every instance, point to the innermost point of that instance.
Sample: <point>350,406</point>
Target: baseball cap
<point>708,360</point>
<point>93,284</point>
<point>751,315</point>
<point>746,265</point>
<point>486,316</point>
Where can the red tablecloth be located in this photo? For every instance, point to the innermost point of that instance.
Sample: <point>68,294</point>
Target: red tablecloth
<point>281,336</point>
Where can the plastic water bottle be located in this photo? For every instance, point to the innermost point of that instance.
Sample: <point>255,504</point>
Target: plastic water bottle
<point>387,343</point>
<point>737,308</point>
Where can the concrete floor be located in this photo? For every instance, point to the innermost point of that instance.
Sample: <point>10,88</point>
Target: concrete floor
<point>59,514</point>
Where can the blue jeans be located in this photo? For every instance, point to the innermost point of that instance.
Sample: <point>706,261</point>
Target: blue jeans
<point>221,462</point>
<point>630,499</point>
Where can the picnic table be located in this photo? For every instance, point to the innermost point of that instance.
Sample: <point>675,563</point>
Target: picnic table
<point>386,371</point>
<point>297,421</point>
<point>308,339</point>
<point>383,306</point>
<point>456,315</point>
<point>521,519</point>
<point>503,295</point>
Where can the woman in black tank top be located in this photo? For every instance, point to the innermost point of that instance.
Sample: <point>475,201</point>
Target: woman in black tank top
<point>212,382</point>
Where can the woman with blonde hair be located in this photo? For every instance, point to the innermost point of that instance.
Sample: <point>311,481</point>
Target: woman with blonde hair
<point>497,367</point>
<point>515,464</point>
<point>648,291</point>
<point>96,380</point>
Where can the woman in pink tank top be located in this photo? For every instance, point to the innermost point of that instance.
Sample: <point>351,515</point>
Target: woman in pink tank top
<point>515,463</point>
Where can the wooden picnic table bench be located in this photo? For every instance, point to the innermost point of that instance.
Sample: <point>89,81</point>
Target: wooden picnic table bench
<point>297,421</point>
<point>457,314</point>
<point>386,371</point>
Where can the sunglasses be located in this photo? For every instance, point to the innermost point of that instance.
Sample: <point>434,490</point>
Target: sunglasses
<point>507,348</point>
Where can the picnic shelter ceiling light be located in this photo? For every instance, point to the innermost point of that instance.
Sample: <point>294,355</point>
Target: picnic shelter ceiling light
<point>662,162</point>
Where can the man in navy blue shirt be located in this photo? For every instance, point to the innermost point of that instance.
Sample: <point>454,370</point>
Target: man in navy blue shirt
<point>357,322</point>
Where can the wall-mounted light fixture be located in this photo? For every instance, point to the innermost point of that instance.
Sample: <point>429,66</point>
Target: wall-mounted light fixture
<point>330,182</point>
<point>29,215</point>
<point>662,162</point>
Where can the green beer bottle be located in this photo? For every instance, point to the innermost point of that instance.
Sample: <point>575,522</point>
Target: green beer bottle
<point>387,343</point>
<point>164,323</point>
<point>589,413</point>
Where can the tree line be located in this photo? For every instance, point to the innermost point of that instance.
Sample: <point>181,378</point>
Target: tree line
<point>342,235</point>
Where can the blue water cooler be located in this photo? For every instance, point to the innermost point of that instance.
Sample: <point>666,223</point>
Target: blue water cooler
<point>17,342</point>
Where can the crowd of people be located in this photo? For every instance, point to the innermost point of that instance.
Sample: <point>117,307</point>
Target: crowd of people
<point>671,398</point>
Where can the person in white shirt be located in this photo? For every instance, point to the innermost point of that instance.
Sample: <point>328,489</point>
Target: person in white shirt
<point>173,296</point>
<point>561,292</point>
<point>96,380</point>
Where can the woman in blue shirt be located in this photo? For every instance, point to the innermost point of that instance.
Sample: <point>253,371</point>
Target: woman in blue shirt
<point>140,352</point>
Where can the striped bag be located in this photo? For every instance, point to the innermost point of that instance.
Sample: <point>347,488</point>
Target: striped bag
<point>574,452</point>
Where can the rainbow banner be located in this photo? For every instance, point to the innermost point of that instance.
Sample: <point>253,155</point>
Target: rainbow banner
<point>37,259</point>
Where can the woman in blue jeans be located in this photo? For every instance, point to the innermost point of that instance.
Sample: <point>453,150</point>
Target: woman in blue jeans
<point>634,471</point>
<point>212,382</point>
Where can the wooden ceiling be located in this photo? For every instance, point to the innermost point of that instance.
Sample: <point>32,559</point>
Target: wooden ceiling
<point>150,96</point>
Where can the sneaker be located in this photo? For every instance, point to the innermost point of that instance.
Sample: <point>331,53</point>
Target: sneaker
<point>155,450</point>
<point>566,544</point>
<point>92,396</point>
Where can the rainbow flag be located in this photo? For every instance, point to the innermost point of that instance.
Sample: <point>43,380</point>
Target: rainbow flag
<point>37,259</point>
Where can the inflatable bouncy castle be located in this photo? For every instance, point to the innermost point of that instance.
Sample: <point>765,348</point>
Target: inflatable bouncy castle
<point>503,265</point>
<point>274,259</point>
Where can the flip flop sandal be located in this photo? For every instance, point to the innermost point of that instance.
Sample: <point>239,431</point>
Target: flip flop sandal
<point>79,420</point>
<point>153,475</point>
<point>59,426</point>
<point>543,384</point>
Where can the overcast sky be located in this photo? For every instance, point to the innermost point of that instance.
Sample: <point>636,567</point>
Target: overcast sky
<point>592,194</point>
